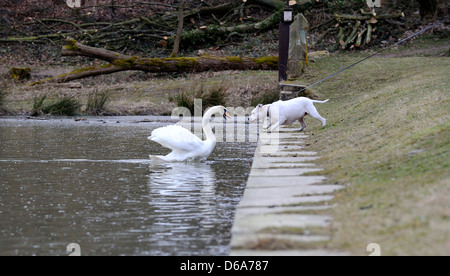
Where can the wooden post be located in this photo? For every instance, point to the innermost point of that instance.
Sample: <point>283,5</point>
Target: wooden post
<point>283,51</point>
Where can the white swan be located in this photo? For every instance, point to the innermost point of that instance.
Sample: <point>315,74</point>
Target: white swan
<point>183,143</point>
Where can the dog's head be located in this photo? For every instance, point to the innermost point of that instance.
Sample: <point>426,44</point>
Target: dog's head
<point>259,112</point>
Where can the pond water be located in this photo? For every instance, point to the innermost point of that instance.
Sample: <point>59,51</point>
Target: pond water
<point>91,182</point>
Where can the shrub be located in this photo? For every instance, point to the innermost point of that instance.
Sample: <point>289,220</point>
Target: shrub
<point>214,95</point>
<point>3,94</point>
<point>184,99</point>
<point>66,106</point>
<point>96,103</point>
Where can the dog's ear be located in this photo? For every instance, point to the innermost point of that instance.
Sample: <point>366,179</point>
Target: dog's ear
<point>259,105</point>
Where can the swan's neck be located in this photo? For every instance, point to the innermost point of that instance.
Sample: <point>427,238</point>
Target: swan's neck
<point>208,130</point>
<point>207,124</point>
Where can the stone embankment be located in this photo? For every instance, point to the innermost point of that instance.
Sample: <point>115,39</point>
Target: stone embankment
<point>283,211</point>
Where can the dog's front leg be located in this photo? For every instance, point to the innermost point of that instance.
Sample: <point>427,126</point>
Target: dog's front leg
<point>269,123</point>
<point>277,124</point>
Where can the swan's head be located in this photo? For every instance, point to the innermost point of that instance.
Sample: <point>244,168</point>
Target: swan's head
<point>225,114</point>
<point>218,109</point>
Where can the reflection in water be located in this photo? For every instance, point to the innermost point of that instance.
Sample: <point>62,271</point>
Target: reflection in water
<point>179,194</point>
<point>64,183</point>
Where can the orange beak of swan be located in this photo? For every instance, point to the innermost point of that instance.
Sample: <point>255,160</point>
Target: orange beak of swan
<point>225,114</point>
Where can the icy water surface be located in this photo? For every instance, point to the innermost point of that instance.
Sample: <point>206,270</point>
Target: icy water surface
<point>91,182</point>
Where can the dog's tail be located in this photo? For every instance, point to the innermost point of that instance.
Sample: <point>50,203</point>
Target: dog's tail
<point>314,101</point>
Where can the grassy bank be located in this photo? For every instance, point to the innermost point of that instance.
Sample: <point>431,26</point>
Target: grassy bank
<point>137,93</point>
<point>388,141</point>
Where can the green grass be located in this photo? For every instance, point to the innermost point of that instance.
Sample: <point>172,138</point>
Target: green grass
<point>388,140</point>
<point>3,94</point>
<point>65,106</point>
<point>214,94</point>
<point>96,103</point>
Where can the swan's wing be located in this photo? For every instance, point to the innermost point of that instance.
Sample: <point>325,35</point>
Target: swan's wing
<point>176,138</point>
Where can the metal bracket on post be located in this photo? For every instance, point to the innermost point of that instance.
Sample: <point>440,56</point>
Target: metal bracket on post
<point>283,45</point>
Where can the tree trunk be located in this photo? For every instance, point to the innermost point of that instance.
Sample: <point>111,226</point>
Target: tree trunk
<point>176,44</point>
<point>119,62</point>
<point>427,8</point>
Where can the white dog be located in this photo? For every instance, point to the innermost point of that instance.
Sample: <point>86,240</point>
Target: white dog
<point>287,112</point>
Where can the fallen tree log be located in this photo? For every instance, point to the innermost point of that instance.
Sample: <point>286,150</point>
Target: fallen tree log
<point>341,17</point>
<point>119,62</point>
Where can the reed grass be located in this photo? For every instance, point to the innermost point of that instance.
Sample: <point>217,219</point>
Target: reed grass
<point>66,106</point>
<point>3,94</point>
<point>97,102</point>
<point>215,94</point>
